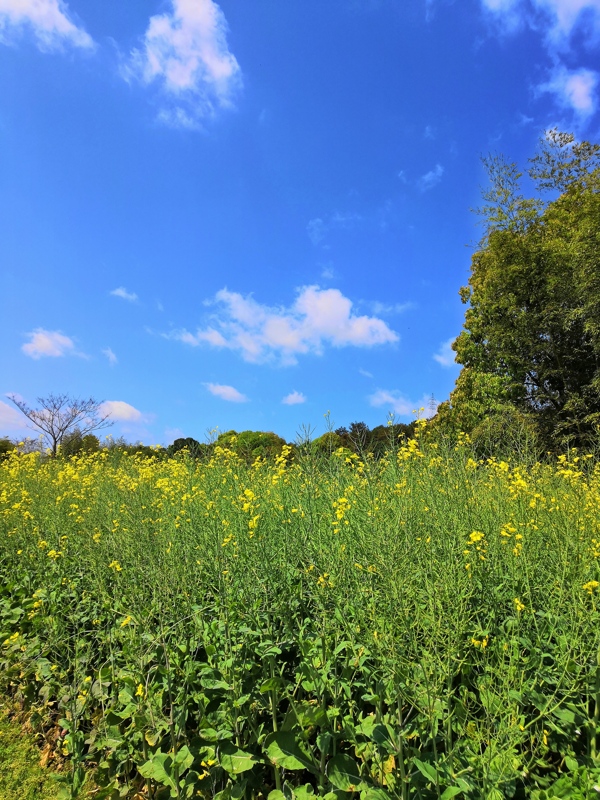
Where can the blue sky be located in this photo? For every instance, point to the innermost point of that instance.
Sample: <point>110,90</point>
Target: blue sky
<point>248,214</point>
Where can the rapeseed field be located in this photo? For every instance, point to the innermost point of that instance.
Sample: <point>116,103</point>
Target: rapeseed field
<point>424,625</point>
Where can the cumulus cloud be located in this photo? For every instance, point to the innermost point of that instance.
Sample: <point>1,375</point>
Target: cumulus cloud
<point>10,419</point>
<point>48,343</point>
<point>446,355</point>
<point>48,20</point>
<point>185,52</point>
<point>112,359</point>
<point>124,294</point>
<point>574,89</point>
<point>393,400</point>
<point>225,392</point>
<point>317,318</point>
<point>121,411</point>
<point>294,398</point>
<point>431,178</point>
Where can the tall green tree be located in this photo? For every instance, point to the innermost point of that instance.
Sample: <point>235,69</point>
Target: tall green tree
<point>531,337</point>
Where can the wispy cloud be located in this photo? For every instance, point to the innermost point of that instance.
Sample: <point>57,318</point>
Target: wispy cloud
<point>365,373</point>
<point>49,21</point>
<point>318,228</point>
<point>294,398</point>
<point>225,392</point>
<point>185,53</point>
<point>446,355</point>
<point>52,344</point>
<point>574,89</point>
<point>431,178</point>
<point>112,359</point>
<point>10,419</point>
<point>124,294</point>
<point>393,400</point>
<point>317,318</point>
<point>121,411</point>
<point>560,18</point>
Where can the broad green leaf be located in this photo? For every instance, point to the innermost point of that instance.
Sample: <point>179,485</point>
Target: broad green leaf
<point>427,770</point>
<point>343,773</point>
<point>184,759</point>
<point>276,794</point>
<point>304,792</point>
<point>233,760</point>
<point>160,769</point>
<point>284,751</point>
<point>451,791</point>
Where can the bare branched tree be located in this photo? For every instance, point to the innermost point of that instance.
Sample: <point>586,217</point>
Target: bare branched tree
<point>60,414</point>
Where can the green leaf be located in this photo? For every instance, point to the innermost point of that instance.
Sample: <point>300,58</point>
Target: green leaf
<point>276,794</point>
<point>233,760</point>
<point>304,792</point>
<point>284,751</point>
<point>451,791</point>
<point>343,772</point>
<point>160,769</point>
<point>270,684</point>
<point>374,794</point>
<point>427,770</point>
<point>184,759</point>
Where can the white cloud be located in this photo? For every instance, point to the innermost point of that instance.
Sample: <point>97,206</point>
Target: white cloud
<point>429,132</point>
<point>47,19</point>
<point>574,89</point>
<point>185,51</point>
<point>317,317</point>
<point>431,178</point>
<point>124,294</point>
<point>294,398</point>
<point>225,392</point>
<point>121,411</point>
<point>318,228</point>
<point>10,419</point>
<point>446,355</point>
<point>48,343</point>
<point>173,433</point>
<point>365,373</point>
<point>112,359</point>
<point>557,18</point>
<point>393,400</point>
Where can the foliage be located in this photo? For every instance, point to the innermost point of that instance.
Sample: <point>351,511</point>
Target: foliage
<point>193,447</point>
<point>252,444</point>
<point>74,443</point>
<point>531,338</point>
<point>423,625</point>
<point>6,447</point>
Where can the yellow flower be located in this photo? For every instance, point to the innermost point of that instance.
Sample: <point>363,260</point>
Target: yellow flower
<point>116,566</point>
<point>519,605</point>
<point>139,692</point>
<point>126,621</point>
<point>590,586</point>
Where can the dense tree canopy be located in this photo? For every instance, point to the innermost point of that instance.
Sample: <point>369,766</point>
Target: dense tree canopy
<point>531,338</point>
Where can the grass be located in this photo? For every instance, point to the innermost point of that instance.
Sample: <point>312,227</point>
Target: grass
<point>21,776</point>
<point>421,626</point>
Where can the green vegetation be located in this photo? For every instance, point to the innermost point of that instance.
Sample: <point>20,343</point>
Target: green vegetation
<point>531,340</point>
<point>21,776</point>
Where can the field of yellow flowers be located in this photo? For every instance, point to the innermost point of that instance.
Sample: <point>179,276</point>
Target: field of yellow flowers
<point>425,625</point>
